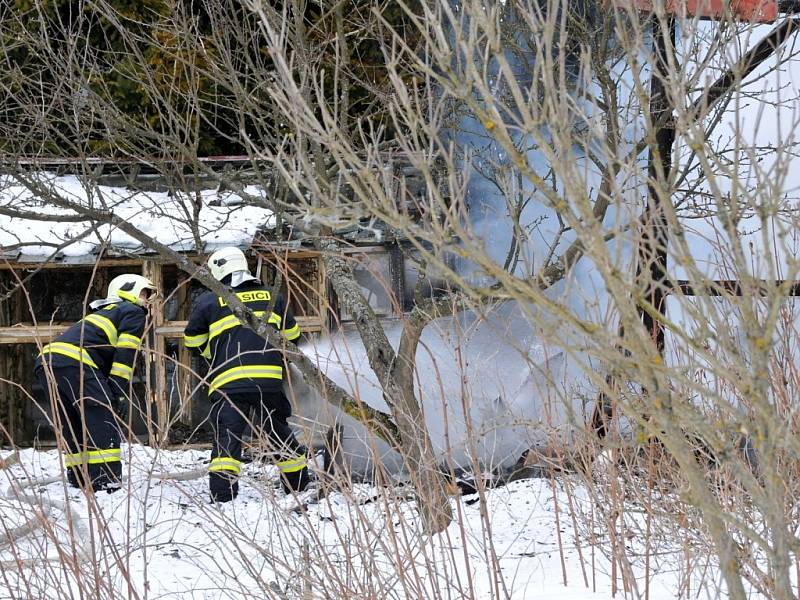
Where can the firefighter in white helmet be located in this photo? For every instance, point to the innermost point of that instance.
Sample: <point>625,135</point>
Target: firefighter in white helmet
<point>245,379</point>
<point>86,373</point>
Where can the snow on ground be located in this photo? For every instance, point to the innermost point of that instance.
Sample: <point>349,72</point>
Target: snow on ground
<point>164,540</point>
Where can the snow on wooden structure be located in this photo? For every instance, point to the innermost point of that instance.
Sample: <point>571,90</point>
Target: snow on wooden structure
<point>64,263</point>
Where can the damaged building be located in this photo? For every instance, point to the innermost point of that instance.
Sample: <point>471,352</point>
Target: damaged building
<point>51,270</point>
<point>510,392</point>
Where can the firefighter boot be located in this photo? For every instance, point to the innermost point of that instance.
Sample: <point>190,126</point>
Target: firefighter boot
<point>224,487</point>
<point>296,481</point>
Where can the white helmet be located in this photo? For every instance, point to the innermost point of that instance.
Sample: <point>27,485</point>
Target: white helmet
<point>226,261</point>
<point>129,287</point>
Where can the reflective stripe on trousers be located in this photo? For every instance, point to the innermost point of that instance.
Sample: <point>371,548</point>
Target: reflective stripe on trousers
<point>293,464</point>
<point>93,457</point>
<point>225,463</point>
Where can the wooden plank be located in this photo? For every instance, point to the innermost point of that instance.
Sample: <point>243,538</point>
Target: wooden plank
<point>16,371</point>
<point>152,270</point>
<point>174,329</point>
<point>321,289</point>
<point>183,375</point>
<point>111,262</point>
<point>288,253</point>
<point>5,400</point>
<point>44,162</point>
<point>326,313</point>
<point>30,334</point>
<point>733,287</point>
<point>266,251</point>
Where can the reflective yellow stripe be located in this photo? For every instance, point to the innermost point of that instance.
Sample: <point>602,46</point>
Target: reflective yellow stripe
<point>246,372</point>
<point>293,465</point>
<point>96,457</point>
<point>225,463</point>
<point>127,340</point>
<point>93,457</point>
<point>292,333</point>
<point>70,350</point>
<point>231,321</point>
<point>121,370</point>
<point>106,325</point>
<point>195,341</point>
<point>221,325</point>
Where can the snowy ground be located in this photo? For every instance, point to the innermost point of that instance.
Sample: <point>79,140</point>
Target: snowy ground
<point>161,539</point>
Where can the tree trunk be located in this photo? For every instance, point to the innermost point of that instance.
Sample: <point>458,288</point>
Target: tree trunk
<point>396,379</point>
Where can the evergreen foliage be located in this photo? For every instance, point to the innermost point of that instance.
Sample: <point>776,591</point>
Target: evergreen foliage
<point>171,78</point>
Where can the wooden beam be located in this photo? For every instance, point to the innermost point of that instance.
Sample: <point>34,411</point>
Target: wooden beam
<point>31,334</point>
<point>266,251</point>
<point>28,333</point>
<point>111,262</point>
<point>174,329</point>
<point>6,393</point>
<point>183,375</point>
<point>152,270</point>
<point>732,287</point>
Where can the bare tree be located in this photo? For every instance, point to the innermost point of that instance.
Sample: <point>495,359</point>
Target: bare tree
<point>536,114</point>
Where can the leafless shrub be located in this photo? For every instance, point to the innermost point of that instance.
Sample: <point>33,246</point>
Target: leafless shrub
<point>534,116</point>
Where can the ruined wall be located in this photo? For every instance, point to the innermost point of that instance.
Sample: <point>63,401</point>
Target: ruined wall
<point>13,367</point>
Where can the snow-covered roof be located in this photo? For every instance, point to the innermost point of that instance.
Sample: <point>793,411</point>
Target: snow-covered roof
<point>186,222</point>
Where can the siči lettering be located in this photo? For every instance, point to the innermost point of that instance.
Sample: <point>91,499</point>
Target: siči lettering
<point>252,296</point>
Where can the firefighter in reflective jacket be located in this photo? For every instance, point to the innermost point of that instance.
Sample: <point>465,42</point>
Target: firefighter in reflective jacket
<point>246,376</point>
<point>86,374</point>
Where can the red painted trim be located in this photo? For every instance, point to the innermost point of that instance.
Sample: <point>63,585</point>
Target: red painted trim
<point>755,11</point>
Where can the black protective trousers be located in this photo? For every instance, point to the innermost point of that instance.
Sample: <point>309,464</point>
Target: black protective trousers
<point>82,412</point>
<point>267,412</point>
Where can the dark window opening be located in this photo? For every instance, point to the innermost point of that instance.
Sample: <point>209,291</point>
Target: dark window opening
<point>60,295</point>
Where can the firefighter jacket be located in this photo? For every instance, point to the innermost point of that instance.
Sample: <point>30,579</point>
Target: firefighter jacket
<point>106,340</point>
<point>240,358</point>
